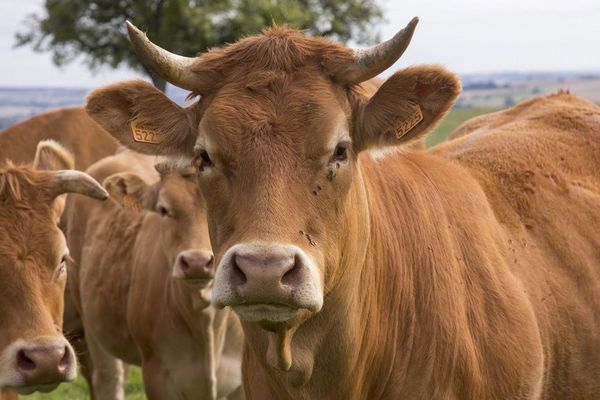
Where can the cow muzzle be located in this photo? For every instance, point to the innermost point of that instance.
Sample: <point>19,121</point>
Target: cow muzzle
<point>267,282</point>
<point>195,268</point>
<point>38,365</point>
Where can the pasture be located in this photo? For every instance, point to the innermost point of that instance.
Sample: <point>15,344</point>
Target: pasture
<point>134,389</point>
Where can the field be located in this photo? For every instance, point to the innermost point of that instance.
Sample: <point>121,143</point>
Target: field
<point>454,118</point>
<point>134,390</point>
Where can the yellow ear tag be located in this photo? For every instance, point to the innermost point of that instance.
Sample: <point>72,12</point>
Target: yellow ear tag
<point>413,120</point>
<point>144,135</point>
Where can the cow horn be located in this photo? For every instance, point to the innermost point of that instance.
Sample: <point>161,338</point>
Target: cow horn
<point>171,67</point>
<point>71,181</point>
<point>370,62</point>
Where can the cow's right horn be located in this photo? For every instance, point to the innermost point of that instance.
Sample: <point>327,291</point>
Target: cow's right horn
<point>71,181</point>
<point>370,62</point>
<point>171,67</point>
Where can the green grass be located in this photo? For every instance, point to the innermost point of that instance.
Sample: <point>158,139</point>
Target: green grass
<point>134,389</point>
<point>454,118</point>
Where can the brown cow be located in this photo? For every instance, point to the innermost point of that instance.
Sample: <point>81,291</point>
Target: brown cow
<point>465,273</point>
<point>71,127</point>
<point>33,353</point>
<point>88,142</point>
<point>144,285</point>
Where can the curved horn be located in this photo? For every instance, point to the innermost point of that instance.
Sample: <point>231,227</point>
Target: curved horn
<point>171,67</point>
<point>370,62</point>
<point>71,181</point>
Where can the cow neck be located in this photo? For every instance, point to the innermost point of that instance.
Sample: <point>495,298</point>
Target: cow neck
<point>330,331</point>
<point>193,305</point>
<point>401,295</point>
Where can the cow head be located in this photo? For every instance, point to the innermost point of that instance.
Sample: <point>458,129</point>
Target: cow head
<point>34,355</point>
<point>182,210</point>
<point>277,137</point>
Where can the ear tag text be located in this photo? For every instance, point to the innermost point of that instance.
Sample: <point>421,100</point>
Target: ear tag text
<point>144,135</point>
<point>409,123</point>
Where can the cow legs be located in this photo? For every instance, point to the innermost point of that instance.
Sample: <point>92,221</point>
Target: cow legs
<point>108,373</point>
<point>156,383</point>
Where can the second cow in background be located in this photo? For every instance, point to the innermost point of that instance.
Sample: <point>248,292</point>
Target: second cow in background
<point>142,277</point>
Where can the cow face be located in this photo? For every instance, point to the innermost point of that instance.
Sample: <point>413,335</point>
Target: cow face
<point>34,355</point>
<point>177,200</point>
<point>276,137</point>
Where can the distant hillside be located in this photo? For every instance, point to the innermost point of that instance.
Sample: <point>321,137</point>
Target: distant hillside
<point>501,90</point>
<point>18,104</point>
<point>481,91</point>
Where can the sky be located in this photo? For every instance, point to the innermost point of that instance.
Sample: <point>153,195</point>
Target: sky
<point>467,36</point>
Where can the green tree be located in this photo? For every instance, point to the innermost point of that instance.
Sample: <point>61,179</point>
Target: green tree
<point>96,28</point>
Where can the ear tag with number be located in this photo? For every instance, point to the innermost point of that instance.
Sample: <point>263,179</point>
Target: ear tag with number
<point>409,123</point>
<point>144,135</point>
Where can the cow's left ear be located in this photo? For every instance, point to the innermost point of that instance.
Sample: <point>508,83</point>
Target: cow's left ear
<point>128,190</point>
<point>408,105</point>
<point>52,156</point>
<point>143,118</point>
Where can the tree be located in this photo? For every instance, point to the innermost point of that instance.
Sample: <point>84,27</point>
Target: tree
<point>96,28</point>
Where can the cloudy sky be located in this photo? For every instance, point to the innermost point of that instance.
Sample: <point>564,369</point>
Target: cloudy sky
<point>465,35</point>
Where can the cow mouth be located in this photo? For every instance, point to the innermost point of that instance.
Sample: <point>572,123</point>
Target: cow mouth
<point>198,283</point>
<point>42,388</point>
<point>265,312</point>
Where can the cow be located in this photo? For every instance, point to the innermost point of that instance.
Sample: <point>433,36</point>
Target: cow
<point>71,127</point>
<point>88,143</point>
<point>362,269</point>
<point>144,270</point>
<point>34,355</point>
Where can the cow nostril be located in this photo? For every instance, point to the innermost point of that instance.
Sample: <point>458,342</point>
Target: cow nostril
<point>25,363</point>
<point>184,263</point>
<point>65,361</point>
<point>209,264</point>
<point>238,277</point>
<point>292,276</point>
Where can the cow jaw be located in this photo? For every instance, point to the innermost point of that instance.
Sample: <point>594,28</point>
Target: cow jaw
<point>268,282</point>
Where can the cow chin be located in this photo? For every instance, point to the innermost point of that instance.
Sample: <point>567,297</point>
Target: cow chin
<point>267,282</point>
<point>265,312</point>
<point>25,390</point>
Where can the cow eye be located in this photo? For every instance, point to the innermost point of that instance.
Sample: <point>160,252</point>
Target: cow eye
<point>162,210</point>
<point>63,264</point>
<point>204,160</point>
<point>341,152</point>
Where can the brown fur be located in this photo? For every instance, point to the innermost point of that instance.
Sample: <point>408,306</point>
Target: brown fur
<point>82,137</point>
<point>471,271</point>
<point>70,126</point>
<point>31,248</point>
<point>131,306</point>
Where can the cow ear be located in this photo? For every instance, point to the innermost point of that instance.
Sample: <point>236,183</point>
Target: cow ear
<point>142,118</point>
<point>51,156</point>
<point>128,190</point>
<point>408,105</point>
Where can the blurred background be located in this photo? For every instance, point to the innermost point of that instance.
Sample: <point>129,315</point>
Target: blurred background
<point>55,51</point>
